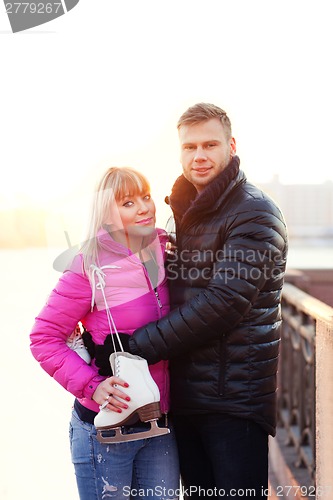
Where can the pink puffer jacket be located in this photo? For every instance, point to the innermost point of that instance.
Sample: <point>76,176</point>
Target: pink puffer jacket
<point>132,301</point>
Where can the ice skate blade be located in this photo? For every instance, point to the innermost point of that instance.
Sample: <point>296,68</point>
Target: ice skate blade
<point>154,431</point>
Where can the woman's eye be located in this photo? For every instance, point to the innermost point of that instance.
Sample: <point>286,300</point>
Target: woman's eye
<point>128,204</point>
<point>147,197</point>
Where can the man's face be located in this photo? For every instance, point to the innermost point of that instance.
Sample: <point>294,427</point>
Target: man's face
<point>205,151</point>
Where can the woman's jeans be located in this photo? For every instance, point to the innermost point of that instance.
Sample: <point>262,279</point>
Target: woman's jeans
<point>147,468</point>
<point>222,456</point>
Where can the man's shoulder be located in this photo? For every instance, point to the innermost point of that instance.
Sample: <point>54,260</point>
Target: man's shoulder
<point>251,205</point>
<point>254,196</point>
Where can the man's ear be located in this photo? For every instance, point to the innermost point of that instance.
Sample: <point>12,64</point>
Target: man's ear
<point>232,147</point>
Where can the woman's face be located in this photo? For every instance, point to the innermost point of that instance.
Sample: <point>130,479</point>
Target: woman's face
<point>137,214</point>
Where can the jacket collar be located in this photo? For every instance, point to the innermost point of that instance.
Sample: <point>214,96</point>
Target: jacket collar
<point>185,200</point>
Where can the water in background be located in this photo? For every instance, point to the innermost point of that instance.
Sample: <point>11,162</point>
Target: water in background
<point>35,459</point>
<point>316,254</point>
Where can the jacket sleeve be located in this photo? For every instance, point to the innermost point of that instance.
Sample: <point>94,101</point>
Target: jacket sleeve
<point>67,304</point>
<point>251,255</point>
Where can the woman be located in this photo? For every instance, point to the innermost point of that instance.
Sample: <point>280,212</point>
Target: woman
<point>128,253</point>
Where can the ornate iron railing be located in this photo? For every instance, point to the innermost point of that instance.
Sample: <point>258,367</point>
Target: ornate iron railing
<point>302,317</point>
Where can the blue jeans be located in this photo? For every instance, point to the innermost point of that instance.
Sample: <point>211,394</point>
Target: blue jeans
<point>222,456</point>
<point>147,468</point>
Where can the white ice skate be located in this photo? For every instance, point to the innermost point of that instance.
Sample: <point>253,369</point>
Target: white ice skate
<point>144,403</point>
<point>75,342</point>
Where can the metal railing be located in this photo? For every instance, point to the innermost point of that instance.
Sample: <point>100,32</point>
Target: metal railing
<point>299,407</point>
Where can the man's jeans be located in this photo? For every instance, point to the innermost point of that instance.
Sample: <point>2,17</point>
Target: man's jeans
<point>222,456</point>
<point>147,468</point>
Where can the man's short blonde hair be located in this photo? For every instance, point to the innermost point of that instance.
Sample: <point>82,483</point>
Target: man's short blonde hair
<point>202,112</point>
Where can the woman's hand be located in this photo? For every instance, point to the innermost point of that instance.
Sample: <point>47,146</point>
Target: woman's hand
<point>107,394</point>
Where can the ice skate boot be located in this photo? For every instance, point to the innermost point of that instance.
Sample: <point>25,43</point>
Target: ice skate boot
<point>75,342</point>
<point>144,404</point>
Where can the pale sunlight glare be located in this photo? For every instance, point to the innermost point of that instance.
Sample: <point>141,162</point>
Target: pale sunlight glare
<point>114,98</point>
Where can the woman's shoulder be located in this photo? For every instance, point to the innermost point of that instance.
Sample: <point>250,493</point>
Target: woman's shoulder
<point>162,238</point>
<point>162,234</point>
<point>76,263</point>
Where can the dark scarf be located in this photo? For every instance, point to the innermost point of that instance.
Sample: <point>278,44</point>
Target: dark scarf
<point>185,199</point>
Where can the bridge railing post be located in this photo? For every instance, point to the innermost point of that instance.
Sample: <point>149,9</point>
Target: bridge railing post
<point>305,380</point>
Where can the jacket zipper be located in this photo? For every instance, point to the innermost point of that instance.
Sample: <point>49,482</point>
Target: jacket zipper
<point>158,300</point>
<point>223,349</point>
<point>157,297</point>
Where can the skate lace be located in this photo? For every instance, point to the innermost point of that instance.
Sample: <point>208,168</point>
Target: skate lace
<point>77,343</point>
<point>117,366</point>
<point>97,272</point>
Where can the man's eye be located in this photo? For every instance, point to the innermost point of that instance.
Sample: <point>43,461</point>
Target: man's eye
<point>211,145</point>
<point>189,148</point>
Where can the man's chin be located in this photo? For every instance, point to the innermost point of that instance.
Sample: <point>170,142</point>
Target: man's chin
<point>200,184</point>
<point>203,179</point>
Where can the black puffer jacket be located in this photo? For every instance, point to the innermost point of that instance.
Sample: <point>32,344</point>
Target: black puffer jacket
<point>222,336</point>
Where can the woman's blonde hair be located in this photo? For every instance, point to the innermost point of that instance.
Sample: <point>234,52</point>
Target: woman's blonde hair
<point>116,184</point>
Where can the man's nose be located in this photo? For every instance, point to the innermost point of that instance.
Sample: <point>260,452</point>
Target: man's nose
<point>200,154</point>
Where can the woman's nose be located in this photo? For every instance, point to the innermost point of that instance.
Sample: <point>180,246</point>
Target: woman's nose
<point>143,207</point>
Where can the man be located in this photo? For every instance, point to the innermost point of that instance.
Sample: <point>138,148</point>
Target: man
<point>222,336</point>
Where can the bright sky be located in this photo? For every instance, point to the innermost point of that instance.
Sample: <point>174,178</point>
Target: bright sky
<point>105,84</point>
